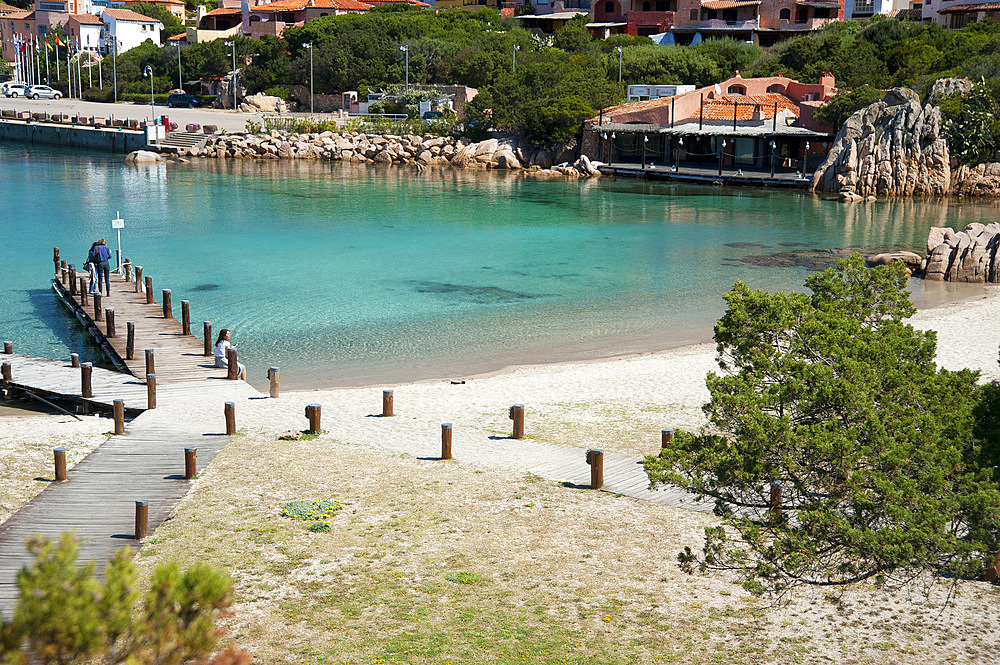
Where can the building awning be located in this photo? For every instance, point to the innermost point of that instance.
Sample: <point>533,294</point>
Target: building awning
<point>688,128</point>
<point>728,4</point>
<point>968,9</point>
<point>606,25</point>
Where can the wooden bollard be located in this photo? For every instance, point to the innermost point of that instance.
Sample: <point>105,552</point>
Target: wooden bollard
<point>84,287</point>
<point>230,411</point>
<point>233,369</point>
<point>595,458</point>
<point>119,409</point>
<point>445,440</point>
<point>149,290</point>
<point>55,258</point>
<point>517,415</point>
<point>138,279</point>
<point>666,436</point>
<point>185,317</point>
<point>190,462</point>
<point>64,275</point>
<point>168,311</point>
<point>86,374</point>
<point>74,360</point>
<point>97,308</point>
<point>72,280</point>
<point>59,457</point>
<point>8,347</point>
<point>141,519</point>
<point>130,340</point>
<point>150,364</point>
<point>387,404</point>
<point>63,266</point>
<point>272,375</point>
<point>118,258</point>
<point>150,391</point>
<point>208,338</point>
<point>6,373</point>
<point>109,321</point>
<point>313,413</point>
<point>775,501</point>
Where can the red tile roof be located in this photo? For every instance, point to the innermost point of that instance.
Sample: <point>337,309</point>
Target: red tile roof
<point>129,16</point>
<point>7,9</point>
<point>962,9</point>
<point>224,11</point>
<point>86,19</point>
<point>415,3</point>
<point>728,4</point>
<point>19,14</point>
<point>182,37</point>
<point>299,5</point>
<point>746,105</point>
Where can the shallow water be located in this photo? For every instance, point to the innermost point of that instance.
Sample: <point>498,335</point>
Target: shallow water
<point>347,275</point>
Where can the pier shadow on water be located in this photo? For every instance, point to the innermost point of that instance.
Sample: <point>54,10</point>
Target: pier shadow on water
<point>52,316</point>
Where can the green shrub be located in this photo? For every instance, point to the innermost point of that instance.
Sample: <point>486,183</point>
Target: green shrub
<point>465,577</point>
<point>313,511</point>
<point>279,91</point>
<point>320,527</point>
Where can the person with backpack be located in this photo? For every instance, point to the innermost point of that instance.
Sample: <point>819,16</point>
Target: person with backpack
<point>102,256</point>
<point>91,267</point>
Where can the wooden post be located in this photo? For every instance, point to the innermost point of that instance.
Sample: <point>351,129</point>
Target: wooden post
<point>150,391</point>
<point>387,404</point>
<point>595,458</point>
<point>230,411</point>
<point>7,374</point>
<point>119,409</point>
<point>150,364</point>
<point>517,415</point>
<point>74,360</point>
<point>775,502</point>
<point>190,463</point>
<point>72,280</point>
<point>168,311</point>
<point>185,317</point>
<point>445,441</point>
<point>141,519</point>
<point>55,258</point>
<point>8,347</point>
<point>666,436</point>
<point>59,455</point>
<point>993,571</point>
<point>130,340</point>
<point>272,375</point>
<point>313,413</point>
<point>109,321</point>
<point>97,308</point>
<point>149,291</point>
<point>138,279</point>
<point>208,338</point>
<point>233,369</point>
<point>63,272</point>
<point>84,287</point>
<point>86,373</point>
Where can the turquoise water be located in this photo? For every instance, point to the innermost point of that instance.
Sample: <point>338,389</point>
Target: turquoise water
<point>354,275</point>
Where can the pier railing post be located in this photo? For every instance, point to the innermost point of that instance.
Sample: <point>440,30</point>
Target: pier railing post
<point>59,458</point>
<point>84,287</point>
<point>97,308</point>
<point>230,411</point>
<point>6,373</point>
<point>314,413</point>
<point>666,436</point>
<point>272,375</point>
<point>130,340</point>
<point>150,391</point>
<point>445,440</point>
<point>387,404</point>
<point>86,374</point>
<point>109,321</point>
<point>8,347</point>
<point>149,291</point>
<point>119,409</point>
<point>141,519</point>
<point>190,462</point>
<point>208,338</point>
<point>168,311</point>
<point>150,363</point>
<point>595,458</point>
<point>233,369</point>
<point>72,280</point>
<point>55,258</point>
<point>185,317</point>
<point>74,360</point>
<point>517,415</point>
<point>138,279</point>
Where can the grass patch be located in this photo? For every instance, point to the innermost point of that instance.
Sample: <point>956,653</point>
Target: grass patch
<point>465,577</point>
<point>318,510</point>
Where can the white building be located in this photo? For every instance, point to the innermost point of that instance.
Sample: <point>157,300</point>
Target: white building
<point>861,9</point>
<point>84,31</point>
<point>959,13</point>
<point>129,29</point>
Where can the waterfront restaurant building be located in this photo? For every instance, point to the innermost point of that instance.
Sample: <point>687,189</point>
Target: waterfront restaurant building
<point>737,124</point>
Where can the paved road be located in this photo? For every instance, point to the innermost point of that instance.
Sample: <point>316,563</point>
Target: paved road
<point>228,120</point>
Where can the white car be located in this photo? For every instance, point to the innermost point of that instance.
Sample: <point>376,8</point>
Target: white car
<point>42,91</point>
<point>14,89</point>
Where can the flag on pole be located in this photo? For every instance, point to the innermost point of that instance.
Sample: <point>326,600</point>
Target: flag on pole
<point>47,44</point>
<point>59,42</point>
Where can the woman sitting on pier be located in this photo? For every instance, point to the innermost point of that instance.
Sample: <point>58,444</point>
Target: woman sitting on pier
<point>221,344</point>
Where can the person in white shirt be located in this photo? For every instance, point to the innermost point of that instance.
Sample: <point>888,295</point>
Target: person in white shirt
<point>221,344</point>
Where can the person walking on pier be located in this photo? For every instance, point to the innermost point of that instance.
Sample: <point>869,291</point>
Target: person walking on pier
<point>102,255</point>
<point>221,344</point>
<point>91,266</point>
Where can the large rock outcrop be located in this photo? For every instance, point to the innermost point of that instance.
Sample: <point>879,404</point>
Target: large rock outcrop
<point>891,148</point>
<point>261,103</point>
<point>966,256</point>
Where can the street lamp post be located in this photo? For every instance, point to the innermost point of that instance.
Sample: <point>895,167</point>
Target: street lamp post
<point>804,154</point>
<point>233,44</point>
<point>619,49</point>
<point>773,146</point>
<point>180,84</point>
<point>677,154</point>
<point>611,149</point>
<point>645,140</point>
<point>722,151</point>
<point>406,52</point>
<point>513,58</point>
<point>114,64</point>
<point>311,106</point>
<point>148,71</point>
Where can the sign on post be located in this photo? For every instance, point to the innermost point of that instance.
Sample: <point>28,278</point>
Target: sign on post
<point>118,223</point>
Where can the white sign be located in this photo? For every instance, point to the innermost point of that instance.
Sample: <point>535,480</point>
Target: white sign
<point>118,223</point>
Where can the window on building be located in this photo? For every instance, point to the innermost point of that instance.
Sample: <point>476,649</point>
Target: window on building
<point>609,8</point>
<point>694,14</point>
<point>737,89</point>
<point>821,12</point>
<point>802,15</point>
<point>777,88</point>
<point>785,14</point>
<point>729,15</point>
<point>647,30</point>
<point>663,5</point>
<point>647,6</point>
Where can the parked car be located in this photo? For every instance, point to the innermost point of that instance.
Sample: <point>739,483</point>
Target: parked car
<point>14,89</point>
<point>179,100</point>
<point>42,92</point>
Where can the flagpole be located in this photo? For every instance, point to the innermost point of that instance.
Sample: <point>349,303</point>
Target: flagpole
<point>100,71</point>
<point>58,75</point>
<point>47,62</point>
<point>79,68</point>
<point>114,64</point>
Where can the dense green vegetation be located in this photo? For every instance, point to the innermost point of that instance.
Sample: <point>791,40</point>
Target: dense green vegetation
<point>839,452</point>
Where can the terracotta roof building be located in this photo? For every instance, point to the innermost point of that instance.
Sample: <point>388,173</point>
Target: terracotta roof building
<point>175,7</point>
<point>272,18</point>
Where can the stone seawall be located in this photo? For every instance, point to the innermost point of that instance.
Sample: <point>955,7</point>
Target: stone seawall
<point>115,140</point>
